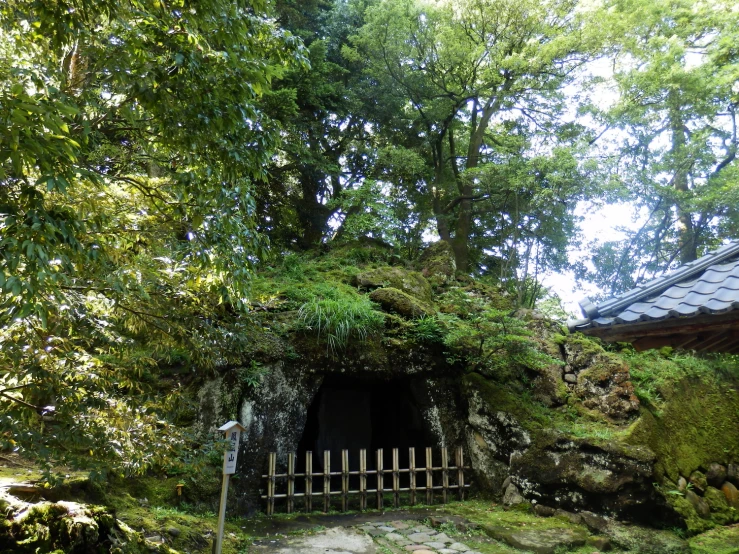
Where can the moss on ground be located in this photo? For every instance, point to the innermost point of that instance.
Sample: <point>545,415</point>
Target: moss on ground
<point>723,540</point>
<point>488,515</point>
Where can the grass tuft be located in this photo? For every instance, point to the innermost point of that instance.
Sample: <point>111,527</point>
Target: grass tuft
<point>341,319</point>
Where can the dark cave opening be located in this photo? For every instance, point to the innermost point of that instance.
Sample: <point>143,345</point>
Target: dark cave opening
<point>358,413</point>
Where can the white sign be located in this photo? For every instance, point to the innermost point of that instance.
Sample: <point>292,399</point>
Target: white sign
<point>232,431</point>
<point>232,451</point>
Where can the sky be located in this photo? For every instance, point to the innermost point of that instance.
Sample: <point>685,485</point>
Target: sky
<point>601,224</point>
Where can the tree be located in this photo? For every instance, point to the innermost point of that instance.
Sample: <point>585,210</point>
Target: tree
<point>676,74</point>
<point>472,87</point>
<point>126,216</point>
<point>326,151</point>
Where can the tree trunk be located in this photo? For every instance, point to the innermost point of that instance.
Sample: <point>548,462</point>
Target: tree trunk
<point>686,230</point>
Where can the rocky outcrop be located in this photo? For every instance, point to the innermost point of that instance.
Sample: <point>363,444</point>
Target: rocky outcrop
<point>411,283</point>
<point>438,263</point>
<point>600,379</point>
<point>493,433</point>
<point>396,301</point>
<point>582,474</point>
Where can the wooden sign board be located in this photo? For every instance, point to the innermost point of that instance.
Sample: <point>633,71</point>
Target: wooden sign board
<point>232,429</point>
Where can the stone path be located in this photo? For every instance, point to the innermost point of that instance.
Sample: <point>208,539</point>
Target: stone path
<point>398,537</point>
<point>408,536</point>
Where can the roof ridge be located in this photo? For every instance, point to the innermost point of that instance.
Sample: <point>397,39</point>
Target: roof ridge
<point>659,284</point>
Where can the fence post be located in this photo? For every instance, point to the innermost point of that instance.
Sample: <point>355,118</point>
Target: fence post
<point>429,477</point>
<point>309,481</point>
<point>290,482</point>
<point>460,472</point>
<point>412,473</point>
<point>272,488</point>
<point>362,479</point>
<point>344,480</point>
<point>396,479</point>
<point>380,480</point>
<point>326,480</point>
<point>444,475</point>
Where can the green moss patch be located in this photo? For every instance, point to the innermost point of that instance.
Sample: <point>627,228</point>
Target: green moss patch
<point>695,426</point>
<point>724,540</point>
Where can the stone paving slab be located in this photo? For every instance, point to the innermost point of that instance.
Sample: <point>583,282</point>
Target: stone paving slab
<point>339,540</point>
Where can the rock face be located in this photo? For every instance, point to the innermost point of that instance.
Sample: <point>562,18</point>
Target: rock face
<point>438,263</point>
<point>493,435</point>
<point>276,416</point>
<point>410,282</point>
<point>578,474</point>
<point>396,301</point>
<point>600,379</point>
<point>605,386</point>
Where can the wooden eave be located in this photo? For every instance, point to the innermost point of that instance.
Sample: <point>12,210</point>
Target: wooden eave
<point>704,333</point>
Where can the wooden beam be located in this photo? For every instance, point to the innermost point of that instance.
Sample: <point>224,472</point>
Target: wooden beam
<point>665,327</point>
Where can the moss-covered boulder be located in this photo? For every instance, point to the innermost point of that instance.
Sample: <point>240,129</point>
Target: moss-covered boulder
<point>694,426</point>
<point>396,301</point>
<point>438,264</point>
<point>600,379</point>
<point>586,474</point>
<point>410,282</point>
<point>72,527</point>
<point>605,386</point>
<point>494,430</point>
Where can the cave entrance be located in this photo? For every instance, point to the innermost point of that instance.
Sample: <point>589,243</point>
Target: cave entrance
<point>354,413</point>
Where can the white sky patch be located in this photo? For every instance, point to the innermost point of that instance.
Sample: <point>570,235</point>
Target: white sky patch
<point>601,224</point>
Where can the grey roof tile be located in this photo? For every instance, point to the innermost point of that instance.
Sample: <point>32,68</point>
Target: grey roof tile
<point>709,285</point>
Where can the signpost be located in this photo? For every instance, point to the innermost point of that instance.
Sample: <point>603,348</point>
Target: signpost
<point>232,431</point>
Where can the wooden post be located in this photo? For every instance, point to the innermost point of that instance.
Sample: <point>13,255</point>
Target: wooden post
<point>232,432</point>
<point>290,482</point>
<point>362,479</point>
<point>460,472</point>
<point>309,481</point>
<point>271,485</point>
<point>412,473</point>
<point>396,479</point>
<point>326,480</point>
<point>344,480</point>
<point>429,477</point>
<point>380,479</point>
<point>444,475</point>
<point>222,514</point>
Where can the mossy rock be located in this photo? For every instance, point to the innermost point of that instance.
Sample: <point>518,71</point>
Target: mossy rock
<point>438,263</point>
<point>721,512</point>
<point>396,301</point>
<point>605,385</point>
<point>500,399</point>
<point>70,527</point>
<point>695,427</point>
<point>694,523</point>
<point>580,351</point>
<point>722,540</point>
<point>410,282</point>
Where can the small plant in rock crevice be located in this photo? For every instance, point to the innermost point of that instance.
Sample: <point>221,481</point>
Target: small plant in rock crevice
<point>427,329</point>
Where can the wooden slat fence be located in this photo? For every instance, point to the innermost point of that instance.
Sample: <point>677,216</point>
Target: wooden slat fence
<point>363,492</point>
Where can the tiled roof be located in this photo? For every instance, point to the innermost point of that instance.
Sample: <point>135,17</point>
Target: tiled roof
<point>709,285</point>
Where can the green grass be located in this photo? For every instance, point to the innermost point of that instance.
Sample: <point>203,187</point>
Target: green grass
<point>338,320</point>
